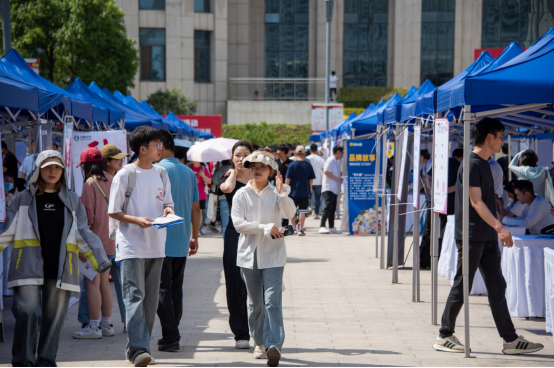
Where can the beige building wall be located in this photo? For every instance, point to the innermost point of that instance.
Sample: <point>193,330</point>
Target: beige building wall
<point>467,32</point>
<point>405,23</point>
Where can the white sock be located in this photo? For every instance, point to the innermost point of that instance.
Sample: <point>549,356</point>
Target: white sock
<point>106,321</point>
<point>94,324</point>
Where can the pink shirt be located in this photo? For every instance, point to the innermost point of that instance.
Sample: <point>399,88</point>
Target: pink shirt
<point>200,181</point>
<point>96,208</point>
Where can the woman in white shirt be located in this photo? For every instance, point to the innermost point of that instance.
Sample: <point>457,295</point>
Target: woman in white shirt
<point>262,255</point>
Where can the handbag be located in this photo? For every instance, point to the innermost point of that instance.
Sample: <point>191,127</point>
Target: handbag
<point>211,213</point>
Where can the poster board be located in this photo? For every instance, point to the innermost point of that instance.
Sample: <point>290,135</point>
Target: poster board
<point>84,140</point>
<point>67,139</point>
<point>417,143</point>
<point>336,112</point>
<point>404,153</point>
<point>440,167</point>
<point>364,217</point>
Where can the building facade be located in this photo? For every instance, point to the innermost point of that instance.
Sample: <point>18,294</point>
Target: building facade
<point>199,45</point>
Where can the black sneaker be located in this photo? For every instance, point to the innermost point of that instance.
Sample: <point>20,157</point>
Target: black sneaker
<point>161,341</point>
<point>170,346</point>
<point>273,356</point>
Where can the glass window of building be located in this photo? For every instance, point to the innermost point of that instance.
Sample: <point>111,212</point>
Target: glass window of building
<point>522,21</point>
<point>201,6</point>
<point>365,43</point>
<point>152,54</point>
<point>202,57</point>
<point>152,4</point>
<point>437,41</point>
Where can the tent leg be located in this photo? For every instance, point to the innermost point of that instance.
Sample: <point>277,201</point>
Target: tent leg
<point>465,226</point>
<point>383,198</point>
<point>377,167</point>
<point>509,156</point>
<point>397,153</point>
<point>415,257</point>
<point>433,240</point>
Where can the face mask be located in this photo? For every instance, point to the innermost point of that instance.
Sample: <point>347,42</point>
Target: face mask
<point>8,187</point>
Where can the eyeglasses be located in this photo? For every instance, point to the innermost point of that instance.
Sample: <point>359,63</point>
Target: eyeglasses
<point>159,145</point>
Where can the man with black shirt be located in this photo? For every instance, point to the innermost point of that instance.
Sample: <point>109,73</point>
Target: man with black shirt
<point>10,161</point>
<point>484,232</point>
<point>504,161</point>
<point>283,162</point>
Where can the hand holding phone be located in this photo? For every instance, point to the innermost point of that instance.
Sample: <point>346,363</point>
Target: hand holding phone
<point>282,232</point>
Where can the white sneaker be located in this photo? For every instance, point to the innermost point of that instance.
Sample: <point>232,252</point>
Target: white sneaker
<point>323,230</point>
<point>202,231</point>
<point>242,344</point>
<point>334,231</point>
<point>521,346</point>
<point>259,352</point>
<point>450,344</point>
<point>108,331</point>
<point>88,333</point>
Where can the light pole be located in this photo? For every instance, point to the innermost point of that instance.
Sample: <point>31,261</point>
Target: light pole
<point>6,26</point>
<point>328,18</point>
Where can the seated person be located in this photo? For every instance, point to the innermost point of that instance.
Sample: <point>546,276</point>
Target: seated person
<point>536,215</point>
<point>513,207</point>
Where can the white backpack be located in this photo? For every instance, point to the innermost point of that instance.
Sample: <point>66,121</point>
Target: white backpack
<point>114,224</point>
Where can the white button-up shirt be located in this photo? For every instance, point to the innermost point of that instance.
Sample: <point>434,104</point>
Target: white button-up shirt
<point>254,215</point>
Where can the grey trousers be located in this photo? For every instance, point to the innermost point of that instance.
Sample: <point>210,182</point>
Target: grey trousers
<point>140,279</point>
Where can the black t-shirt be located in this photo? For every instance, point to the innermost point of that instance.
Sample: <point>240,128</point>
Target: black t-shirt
<point>480,175</point>
<point>283,167</point>
<point>503,162</point>
<point>50,216</point>
<point>10,163</point>
<point>229,197</point>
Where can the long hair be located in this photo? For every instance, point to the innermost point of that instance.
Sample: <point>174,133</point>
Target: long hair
<point>41,185</point>
<point>94,170</point>
<point>240,144</point>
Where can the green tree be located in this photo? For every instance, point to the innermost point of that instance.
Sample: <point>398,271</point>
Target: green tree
<point>264,134</point>
<point>76,38</point>
<point>172,100</point>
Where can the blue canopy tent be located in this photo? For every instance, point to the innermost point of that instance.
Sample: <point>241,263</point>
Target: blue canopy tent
<point>133,119</point>
<point>137,107</point>
<point>337,132</point>
<point>153,122</point>
<point>408,109</point>
<point>100,111</point>
<point>14,64</point>
<point>392,113</point>
<point>347,126</point>
<point>368,124</point>
<point>173,126</point>
<point>190,131</point>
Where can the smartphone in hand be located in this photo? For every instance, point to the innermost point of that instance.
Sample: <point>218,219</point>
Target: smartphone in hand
<point>286,231</point>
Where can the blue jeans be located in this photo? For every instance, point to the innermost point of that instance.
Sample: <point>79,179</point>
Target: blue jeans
<point>265,289</point>
<point>83,313</point>
<point>316,198</point>
<point>141,292</point>
<point>27,300</point>
<point>224,212</point>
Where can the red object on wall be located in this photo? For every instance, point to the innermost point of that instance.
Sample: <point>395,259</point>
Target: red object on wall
<point>207,123</point>
<point>494,52</point>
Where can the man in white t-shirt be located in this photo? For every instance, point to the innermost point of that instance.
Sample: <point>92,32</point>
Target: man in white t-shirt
<point>330,191</point>
<point>333,84</point>
<point>317,163</point>
<point>140,247</point>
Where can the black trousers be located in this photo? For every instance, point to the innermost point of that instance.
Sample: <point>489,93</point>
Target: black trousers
<point>235,287</point>
<point>170,306</point>
<point>330,200</point>
<point>485,256</point>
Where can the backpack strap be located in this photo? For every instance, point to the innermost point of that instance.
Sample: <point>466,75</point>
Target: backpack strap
<point>132,174</point>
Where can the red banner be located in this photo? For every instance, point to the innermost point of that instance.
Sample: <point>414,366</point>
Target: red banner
<point>494,52</point>
<point>207,123</point>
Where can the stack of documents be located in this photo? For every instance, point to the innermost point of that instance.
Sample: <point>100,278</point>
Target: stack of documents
<point>169,220</point>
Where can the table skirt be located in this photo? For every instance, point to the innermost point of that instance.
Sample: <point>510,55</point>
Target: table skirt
<point>549,288</point>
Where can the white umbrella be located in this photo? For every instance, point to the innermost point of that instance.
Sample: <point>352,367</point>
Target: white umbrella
<point>217,149</point>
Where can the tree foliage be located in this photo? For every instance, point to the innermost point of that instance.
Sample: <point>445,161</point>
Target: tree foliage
<point>172,100</point>
<point>264,134</point>
<point>76,38</point>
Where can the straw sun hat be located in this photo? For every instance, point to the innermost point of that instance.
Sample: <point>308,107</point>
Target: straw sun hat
<point>263,157</point>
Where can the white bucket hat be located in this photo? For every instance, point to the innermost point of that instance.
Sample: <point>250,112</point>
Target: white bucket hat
<point>44,159</point>
<point>263,157</point>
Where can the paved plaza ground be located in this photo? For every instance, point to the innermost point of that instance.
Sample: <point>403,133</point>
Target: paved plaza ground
<point>339,308</point>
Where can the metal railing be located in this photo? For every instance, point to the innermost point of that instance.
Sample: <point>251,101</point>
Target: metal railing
<point>277,89</point>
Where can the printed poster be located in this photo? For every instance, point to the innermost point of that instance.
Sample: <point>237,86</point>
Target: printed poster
<point>364,216</point>
<point>84,140</point>
<point>440,166</point>
<point>336,112</point>
<point>404,140</point>
<point>67,138</point>
<point>417,143</point>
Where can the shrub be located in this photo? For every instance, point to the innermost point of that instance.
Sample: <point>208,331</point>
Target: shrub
<point>362,97</point>
<point>350,110</point>
<point>264,134</point>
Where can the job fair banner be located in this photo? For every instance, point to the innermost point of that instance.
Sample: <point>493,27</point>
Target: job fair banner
<point>83,140</point>
<point>363,215</point>
<point>440,167</point>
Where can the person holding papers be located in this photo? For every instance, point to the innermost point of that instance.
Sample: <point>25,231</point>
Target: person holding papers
<point>48,226</point>
<point>179,244</point>
<point>139,246</point>
<point>536,215</point>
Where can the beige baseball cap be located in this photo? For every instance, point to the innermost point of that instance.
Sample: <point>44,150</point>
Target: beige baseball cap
<point>300,149</point>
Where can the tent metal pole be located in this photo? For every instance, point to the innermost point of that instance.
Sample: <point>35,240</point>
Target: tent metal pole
<point>509,156</point>
<point>465,226</point>
<point>434,241</point>
<point>433,314</point>
<point>397,153</point>
<point>415,236</point>
<point>383,197</point>
<point>377,167</point>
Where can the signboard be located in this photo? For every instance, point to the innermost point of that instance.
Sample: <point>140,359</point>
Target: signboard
<point>336,112</point>
<point>417,143</point>
<point>440,167</point>
<point>84,140</point>
<point>364,217</point>
<point>67,138</point>
<point>404,139</point>
<point>34,64</point>
<point>210,124</point>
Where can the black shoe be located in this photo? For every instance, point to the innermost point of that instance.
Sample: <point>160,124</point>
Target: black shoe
<point>273,356</point>
<point>170,346</point>
<point>161,341</point>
